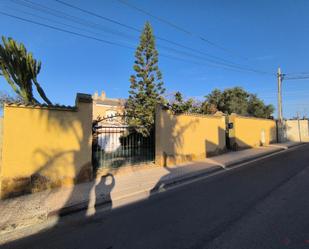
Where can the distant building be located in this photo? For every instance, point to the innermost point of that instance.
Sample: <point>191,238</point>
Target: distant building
<point>107,107</point>
<point>113,126</point>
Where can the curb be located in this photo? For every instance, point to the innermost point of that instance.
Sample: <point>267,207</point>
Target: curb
<point>103,203</point>
<point>251,158</point>
<point>169,183</point>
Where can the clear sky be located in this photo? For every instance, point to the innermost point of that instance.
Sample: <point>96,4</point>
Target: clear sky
<point>259,35</point>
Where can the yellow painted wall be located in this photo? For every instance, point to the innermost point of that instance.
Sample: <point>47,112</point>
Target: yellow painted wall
<point>181,138</point>
<point>297,130</point>
<point>1,138</point>
<point>1,144</point>
<point>102,110</point>
<point>248,132</point>
<point>45,147</point>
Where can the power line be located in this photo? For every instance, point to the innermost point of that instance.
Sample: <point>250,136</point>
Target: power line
<point>63,15</point>
<point>66,31</point>
<point>106,41</point>
<point>204,63</point>
<point>300,73</point>
<point>212,62</point>
<point>177,27</point>
<point>66,16</point>
<point>136,29</point>
<point>81,21</point>
<point>72,26</point>
<point>166,40</point>
<point>296,78</point>
<point>81,35</point>
<point>54,21</point>
<point>94,25</point>
<point>99,16</point>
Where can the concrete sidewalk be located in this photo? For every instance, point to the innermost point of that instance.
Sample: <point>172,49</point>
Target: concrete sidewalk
<point>115,190</point>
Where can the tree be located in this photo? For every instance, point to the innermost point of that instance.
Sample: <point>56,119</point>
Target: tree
<point>257,108</point>
<point>214,101</point>
<point>207,108</point>
<point>20,70</point>
<point>179,105</point>
<point>236,100</point>
<point>146,87</point>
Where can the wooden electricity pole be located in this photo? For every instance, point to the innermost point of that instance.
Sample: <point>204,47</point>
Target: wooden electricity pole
<point>280,127</point>
<point>280,77</point>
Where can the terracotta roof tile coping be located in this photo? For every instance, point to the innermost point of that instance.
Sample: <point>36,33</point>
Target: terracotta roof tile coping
<point>44,106</point>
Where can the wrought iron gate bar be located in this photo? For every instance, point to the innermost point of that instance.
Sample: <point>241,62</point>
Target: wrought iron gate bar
<point>121,145</point>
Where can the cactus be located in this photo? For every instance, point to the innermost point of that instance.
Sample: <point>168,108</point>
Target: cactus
<point>20,70</point>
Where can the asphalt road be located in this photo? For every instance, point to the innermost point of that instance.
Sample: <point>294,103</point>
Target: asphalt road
<point>264,204</point>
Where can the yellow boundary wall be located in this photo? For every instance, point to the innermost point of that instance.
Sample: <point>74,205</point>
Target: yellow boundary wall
<point>45,147</point>
<point>297,130</point>
<point>186,137</point>
<point>249,132</point>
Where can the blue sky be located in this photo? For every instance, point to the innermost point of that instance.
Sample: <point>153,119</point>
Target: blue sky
<point>260,35</point>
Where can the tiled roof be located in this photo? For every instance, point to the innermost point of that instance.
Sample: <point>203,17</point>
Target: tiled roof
<point>45,106</point>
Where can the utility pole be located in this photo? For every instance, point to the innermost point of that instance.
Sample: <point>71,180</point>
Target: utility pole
<point>280,78</point>
<point>280,118</point>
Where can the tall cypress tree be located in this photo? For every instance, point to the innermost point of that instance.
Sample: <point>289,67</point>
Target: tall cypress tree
<point>146,85</point>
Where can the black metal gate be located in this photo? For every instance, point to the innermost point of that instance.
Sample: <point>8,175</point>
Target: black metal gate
<point>116,146</point>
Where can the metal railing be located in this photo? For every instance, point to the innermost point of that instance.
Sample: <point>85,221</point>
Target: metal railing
<point>116,146</point>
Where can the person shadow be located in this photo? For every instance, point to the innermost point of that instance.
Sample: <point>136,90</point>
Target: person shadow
<point>98,194</point>
<point>103,192</point>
